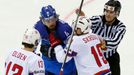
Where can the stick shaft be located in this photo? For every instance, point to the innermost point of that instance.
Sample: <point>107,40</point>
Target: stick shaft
<point>71,37</point>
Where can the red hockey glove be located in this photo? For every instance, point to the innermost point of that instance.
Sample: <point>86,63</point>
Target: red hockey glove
<point>53,40</point>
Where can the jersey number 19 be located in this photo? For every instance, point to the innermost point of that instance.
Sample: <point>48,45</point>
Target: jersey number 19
<point>97,53</point>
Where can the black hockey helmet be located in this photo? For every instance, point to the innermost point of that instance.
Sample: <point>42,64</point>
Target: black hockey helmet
<point>113,5</point>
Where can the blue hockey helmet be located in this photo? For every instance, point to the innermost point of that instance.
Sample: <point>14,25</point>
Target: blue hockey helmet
<point>48,12</point>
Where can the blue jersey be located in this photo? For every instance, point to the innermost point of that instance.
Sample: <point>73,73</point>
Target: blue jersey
<point>62,31</point>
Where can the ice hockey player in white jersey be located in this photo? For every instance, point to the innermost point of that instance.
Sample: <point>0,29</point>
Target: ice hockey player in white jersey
<point>23,61</point>
<point>86,49</point>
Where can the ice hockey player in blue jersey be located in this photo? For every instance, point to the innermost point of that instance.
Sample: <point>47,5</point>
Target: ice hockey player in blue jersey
<point>50,26</point>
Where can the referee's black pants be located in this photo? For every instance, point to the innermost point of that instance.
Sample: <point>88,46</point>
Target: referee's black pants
<point>114,62</point>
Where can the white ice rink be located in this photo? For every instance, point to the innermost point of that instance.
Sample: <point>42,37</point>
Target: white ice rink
<point>17,15</point>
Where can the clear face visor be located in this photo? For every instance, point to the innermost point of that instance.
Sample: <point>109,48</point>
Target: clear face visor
<point>110,8</point>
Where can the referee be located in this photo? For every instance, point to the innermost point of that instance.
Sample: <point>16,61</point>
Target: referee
<point>112,30</point>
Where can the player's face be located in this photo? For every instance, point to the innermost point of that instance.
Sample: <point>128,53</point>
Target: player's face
<point>51,23</point>
<point>78,31</point>
<point>110,15</point>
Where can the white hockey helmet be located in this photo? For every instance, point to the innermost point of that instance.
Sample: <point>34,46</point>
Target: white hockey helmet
<point>31,36</point>
<point>84,24</point>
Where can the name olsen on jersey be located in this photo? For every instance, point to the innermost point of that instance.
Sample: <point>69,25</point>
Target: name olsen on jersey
<point>19,55</point>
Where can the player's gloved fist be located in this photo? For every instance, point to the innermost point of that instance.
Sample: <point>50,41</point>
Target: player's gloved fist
<point>53,40</point>
<point>103,46</point>
<point>103,43</point>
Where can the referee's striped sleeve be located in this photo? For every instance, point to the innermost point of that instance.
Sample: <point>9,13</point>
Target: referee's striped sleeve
<point>117,37</point>
<point>95,20</point>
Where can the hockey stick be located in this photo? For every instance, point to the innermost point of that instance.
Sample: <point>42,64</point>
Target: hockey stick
<point>71,37</point>
<point>74,10</point>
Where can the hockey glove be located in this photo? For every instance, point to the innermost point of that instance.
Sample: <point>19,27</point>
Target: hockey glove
<point>103,43</point>
<point>53,40</point>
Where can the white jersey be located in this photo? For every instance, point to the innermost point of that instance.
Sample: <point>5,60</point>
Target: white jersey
<point>22,62</point>
<point>89,59</point>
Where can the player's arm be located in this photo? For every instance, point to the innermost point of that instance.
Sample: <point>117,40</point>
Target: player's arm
<point>61,53</point>
<point>64,32</point>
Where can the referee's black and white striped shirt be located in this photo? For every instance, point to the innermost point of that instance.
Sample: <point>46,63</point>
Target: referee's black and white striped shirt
<point>113,34</point>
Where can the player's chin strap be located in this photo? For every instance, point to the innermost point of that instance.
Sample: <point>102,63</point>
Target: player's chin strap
<point>71,37</point>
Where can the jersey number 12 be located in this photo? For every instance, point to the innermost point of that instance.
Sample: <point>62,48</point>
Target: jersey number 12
<point>14,68</point>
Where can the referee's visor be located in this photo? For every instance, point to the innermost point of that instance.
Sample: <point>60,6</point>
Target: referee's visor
<point>110,8</point>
